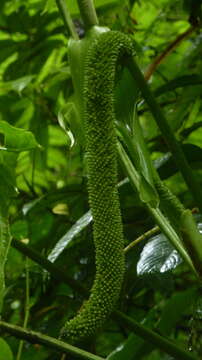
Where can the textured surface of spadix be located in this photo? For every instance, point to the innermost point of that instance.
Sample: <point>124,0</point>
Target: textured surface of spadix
<point>99,118</point>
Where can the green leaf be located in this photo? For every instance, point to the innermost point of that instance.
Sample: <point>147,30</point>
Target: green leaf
<point>19,229</point>
<point>7,184</point>
<point>39,127</point>
<point>144,164</point>
<point>15,139</point>
<point>16,85</point>
<point>69,236</point>
<point>5,351</point>
<point>57,137</point>
<point>178,305</point>
<point>146,191</point>
<point>126,94</point>
<point>140,157</point>
<point>125,350</point>
<point>135,347</point>
<point>68,118</point>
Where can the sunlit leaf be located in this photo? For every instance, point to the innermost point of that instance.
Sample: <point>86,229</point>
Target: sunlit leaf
<point>15,139</point>
<point>158,256</point>
<point>69,236</point>
<point>64,119</point>
<point>60,209</point>
<point>75,230</point>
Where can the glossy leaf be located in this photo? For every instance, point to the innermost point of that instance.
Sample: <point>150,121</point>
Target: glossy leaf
<point>84,221</point>
<point>158,256</point>
<point>75,230</point>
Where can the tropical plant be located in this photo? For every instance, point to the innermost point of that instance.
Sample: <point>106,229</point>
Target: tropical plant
<point>100,190</point>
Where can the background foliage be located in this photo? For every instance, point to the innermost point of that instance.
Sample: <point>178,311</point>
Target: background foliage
<point>49,209</point>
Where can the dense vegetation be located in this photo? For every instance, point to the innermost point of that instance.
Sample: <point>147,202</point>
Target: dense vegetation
<point>47,253</point>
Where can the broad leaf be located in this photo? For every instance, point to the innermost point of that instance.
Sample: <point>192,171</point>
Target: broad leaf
<point>178,305</point>
<point>125,350</point>
<point>15,139</point>
<point>158,256</point>
<point>5,351</point>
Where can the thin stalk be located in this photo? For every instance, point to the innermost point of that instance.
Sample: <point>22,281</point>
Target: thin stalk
<point>160,219</point>
<point>155,230</point>
<point>68,23</point>
<point>140,330</point>
<point>169,49</point>
<point>160,342</point>
<point>50,342</point>
<point>172,143</point>
<point>181,220</point>
<point>27,309</point>
<point>88,13</point>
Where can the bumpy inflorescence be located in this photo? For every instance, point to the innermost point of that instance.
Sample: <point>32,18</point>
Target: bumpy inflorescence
<point>99,117</point>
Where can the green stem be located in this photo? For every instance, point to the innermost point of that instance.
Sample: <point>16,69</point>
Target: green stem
<point>192,238</point>
<point>170,233</point>
<point>88,13</point>
<point>154,338</point>
<point>142,237</point>
<point>169,203</point>
<point>38,338</point>
<point>138,329</point>
<point>173,144</point>
<point>27,308</point>
<point>68,23</point>
<point>160,219</point>
<point>47,265</point>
